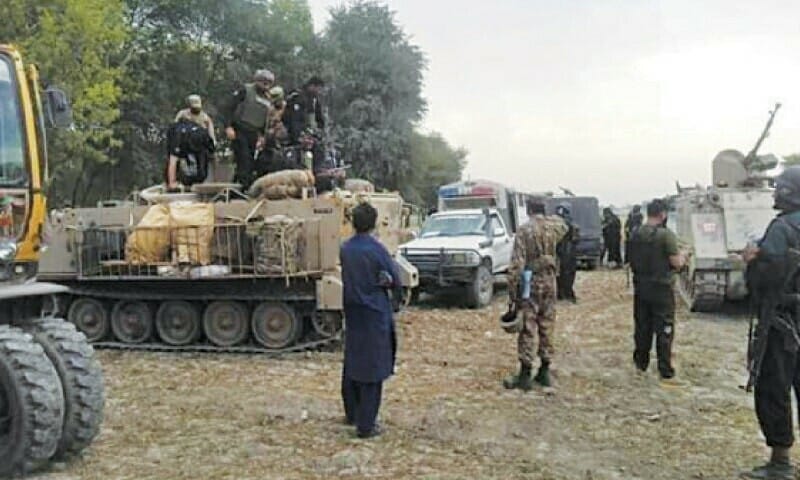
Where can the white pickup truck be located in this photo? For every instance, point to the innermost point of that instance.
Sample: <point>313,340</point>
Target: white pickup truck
<point>461,249</point>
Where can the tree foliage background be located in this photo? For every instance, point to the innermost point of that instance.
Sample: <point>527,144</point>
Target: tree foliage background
<point>128,65</point>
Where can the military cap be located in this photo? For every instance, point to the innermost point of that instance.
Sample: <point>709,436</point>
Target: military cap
<point>194,101</point>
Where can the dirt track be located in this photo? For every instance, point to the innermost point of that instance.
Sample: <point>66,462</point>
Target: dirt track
<point>236,417</point>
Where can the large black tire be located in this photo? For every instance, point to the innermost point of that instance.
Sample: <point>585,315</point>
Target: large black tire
<point>34,404</point>
<point>481,291</point>
<point>81,379</point>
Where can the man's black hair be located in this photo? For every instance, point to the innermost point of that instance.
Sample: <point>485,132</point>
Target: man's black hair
<point>364,217</point>
<point>656,207</point>
<point>315,81</point>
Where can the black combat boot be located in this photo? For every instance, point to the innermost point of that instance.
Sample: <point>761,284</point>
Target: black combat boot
<point>779,467</point>
<point>543,375</point>
<point>522,380</point>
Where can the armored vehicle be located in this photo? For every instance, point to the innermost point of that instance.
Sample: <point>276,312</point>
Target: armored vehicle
<point>211,270</point>
<point>51,386</point>
<point>717,222</point>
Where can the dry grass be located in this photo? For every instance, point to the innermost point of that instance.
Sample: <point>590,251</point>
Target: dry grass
<point>238,417</point>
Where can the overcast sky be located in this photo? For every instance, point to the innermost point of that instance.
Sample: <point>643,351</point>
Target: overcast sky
<point>615,98</point>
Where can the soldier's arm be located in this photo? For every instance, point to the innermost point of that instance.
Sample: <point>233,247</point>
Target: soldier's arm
<point>517,264</point>
<point>676,258</point>
<point>179,115</point>
<point>560,228</point>
<point>210,127</point>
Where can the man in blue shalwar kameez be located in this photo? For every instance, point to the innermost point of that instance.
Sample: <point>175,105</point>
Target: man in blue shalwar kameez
<point>369,274</point>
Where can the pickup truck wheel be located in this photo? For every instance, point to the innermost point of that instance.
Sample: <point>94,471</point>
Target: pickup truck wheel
<point>480,293</point>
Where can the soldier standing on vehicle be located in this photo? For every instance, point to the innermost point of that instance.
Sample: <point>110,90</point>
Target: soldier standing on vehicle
<point>195,114</point>
<point>368,275</point>
<point>632,224</point>
<point>567,259</point>
<point>612,229</point>
<point>654,257</point>
<point>532,291</point>
<point>773,355</point>
<point>304,111</point>
<point>247,112</point>
<point>272,157</point>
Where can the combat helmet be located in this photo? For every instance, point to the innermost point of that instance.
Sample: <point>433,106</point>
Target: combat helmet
<point>787,189</point>
<point>263,75</point>
<point>276,94</point>
<point>511,322</point>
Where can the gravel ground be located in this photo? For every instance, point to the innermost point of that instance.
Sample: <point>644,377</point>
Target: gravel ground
<point>446,414</point>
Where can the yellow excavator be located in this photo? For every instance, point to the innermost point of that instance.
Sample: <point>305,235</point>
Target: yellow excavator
<point>51,385</point>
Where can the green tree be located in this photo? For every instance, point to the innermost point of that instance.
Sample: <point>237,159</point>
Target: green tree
<point>76,44</point>
<point>376,91</point>
<point>433,163</point>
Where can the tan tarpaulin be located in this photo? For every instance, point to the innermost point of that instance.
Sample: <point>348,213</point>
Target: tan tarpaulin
<point>186,227</point>
<point>192,226</point>
<point>150,240</point>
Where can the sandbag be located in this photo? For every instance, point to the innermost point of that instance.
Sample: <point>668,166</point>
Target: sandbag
<point>192,226</point>
<point>283,184</point>
<point>357,185</point>
<point>149,242</point>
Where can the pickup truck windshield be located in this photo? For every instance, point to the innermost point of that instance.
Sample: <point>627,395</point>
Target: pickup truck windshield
<point>12,157</point>
<point>454,226</point>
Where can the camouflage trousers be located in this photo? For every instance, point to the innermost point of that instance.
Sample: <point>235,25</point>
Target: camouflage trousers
<point>538,314</point>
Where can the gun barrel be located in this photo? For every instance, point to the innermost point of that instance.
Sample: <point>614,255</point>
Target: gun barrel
<point>751,157</point>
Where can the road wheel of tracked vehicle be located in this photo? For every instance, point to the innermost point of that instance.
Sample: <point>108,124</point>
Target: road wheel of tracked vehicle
<point>480,292</point>
<point>178,322</point>
<point>31,404</point>
<point>276,325</point>
<point>132,322</point>
<point>81,379</point>
<point>225,323</point>
<point>327,323</point>
<point>91,318</point>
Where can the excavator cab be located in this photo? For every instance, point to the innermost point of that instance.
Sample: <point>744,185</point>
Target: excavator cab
<point>51,386</point>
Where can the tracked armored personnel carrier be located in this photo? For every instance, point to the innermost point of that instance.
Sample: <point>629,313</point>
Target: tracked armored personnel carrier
<point>716,223</point>
<point>211,270</point>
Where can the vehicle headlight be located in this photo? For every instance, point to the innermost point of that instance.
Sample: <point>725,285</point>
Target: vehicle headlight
<point>8,250</point>
<point>464,258</point>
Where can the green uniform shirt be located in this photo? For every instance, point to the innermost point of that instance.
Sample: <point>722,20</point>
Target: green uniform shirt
<point>651,248</point>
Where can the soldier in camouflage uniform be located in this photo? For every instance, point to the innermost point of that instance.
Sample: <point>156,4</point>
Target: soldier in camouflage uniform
<point>535,250</point>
